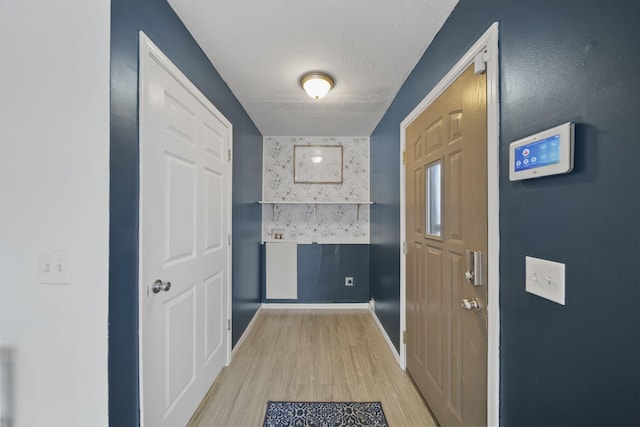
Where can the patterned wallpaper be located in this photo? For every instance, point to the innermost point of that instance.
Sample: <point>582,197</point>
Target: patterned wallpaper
<point>311,222</point>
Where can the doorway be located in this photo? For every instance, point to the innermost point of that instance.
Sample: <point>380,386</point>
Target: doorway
<point>483,57</point>
<point>446,225</point>
<point>185,238</point>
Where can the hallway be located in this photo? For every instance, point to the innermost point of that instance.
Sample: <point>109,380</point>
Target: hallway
<point>311,355</point>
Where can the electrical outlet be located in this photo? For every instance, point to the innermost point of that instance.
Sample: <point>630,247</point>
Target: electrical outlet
<point>545,279</point>
<point>277,234</point>
<point>348,281</point>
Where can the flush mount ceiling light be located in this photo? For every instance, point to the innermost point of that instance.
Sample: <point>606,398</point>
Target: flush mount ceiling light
<point>316,84</point>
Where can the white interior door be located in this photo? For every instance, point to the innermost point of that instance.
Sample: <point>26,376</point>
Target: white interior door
<point>185,177</point>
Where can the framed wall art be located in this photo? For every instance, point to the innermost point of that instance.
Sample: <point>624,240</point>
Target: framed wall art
<point>317,164</point>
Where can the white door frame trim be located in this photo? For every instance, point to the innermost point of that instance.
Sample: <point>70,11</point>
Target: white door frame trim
<point>150,52</point>
<point>488,42</point>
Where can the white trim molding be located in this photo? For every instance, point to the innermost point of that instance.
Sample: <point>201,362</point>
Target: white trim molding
<point>247,331</point>
<point>385,335</point>
<point>488,43</point>
<point>314,306</point>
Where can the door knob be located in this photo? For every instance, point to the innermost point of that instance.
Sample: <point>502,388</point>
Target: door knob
<point>159,285</point>
<point>473,304</point>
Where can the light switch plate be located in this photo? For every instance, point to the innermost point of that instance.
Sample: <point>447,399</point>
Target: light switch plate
<point>545,279</point>
<point>54,267</point>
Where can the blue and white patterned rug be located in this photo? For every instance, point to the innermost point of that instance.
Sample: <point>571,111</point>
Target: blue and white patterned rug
<point>324,414</point>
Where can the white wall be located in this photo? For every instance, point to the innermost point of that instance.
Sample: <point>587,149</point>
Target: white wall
<point>54,191</point>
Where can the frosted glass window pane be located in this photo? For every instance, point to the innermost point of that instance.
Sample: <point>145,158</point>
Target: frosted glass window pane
<point>434,199</point>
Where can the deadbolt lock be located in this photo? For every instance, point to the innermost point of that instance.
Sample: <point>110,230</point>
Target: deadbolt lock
<point>474,267</point>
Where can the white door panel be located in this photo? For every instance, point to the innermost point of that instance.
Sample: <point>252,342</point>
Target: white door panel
<point>214,322</point>
<point>214,217</point>
<point>185,179</point>
<point>180,351</point>
<point>180,214</point>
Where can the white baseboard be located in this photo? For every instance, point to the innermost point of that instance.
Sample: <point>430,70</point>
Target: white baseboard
<point>314,306</point>
<point>386,337</point>
<point>246,332</point>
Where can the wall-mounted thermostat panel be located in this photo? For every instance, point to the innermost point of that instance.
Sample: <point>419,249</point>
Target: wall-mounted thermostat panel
<point>549,152</point>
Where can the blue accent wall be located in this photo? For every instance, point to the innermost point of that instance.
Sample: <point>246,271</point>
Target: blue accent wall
<point>160,23</point>
<point>322,269</point>
<point>384,251</point>
<point>559,60</point>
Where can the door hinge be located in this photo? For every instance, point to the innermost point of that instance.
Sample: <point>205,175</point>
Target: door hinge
<point>404,157</point>
<point>404,337</point>
<point>404,247</point>
<point>229,154</point>
<point>228,324</point>
<point>229,239</point>
<point>480,62</point>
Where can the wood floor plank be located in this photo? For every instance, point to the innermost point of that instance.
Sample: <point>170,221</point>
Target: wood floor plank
<point>311,355</point>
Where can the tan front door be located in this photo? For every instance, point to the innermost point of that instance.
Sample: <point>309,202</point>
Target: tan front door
<point>446,178</point>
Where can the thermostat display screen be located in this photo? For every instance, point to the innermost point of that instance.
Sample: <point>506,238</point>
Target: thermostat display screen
<point>536,154</point>
<point>549,152</point>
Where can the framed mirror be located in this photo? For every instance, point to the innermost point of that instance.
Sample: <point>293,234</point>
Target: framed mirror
<point>317,164</point>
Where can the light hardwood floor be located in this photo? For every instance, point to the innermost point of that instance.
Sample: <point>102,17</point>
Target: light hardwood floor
<point>311,355</point>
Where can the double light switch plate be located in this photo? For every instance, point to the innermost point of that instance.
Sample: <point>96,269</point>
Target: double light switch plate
<point>545,279</point>
<point>54,267</point>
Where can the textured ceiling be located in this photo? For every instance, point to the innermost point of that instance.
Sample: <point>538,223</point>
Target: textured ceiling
<point>262,48</point>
